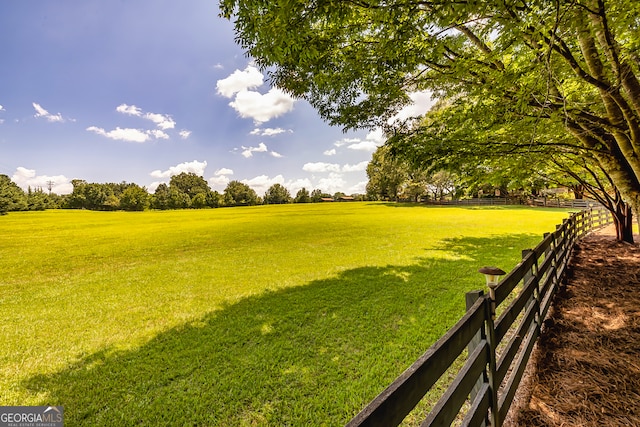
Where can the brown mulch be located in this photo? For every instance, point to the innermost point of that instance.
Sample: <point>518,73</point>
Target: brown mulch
<point>585,370</point>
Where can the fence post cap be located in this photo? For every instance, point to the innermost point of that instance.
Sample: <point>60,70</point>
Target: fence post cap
<point>492,275</point>
<point>493,271</point>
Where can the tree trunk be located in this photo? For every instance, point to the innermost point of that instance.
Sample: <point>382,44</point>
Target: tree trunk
<point>623,220</point>
<point>578,191</point>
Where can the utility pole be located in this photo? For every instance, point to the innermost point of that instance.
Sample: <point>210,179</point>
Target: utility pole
<point>50,185</point>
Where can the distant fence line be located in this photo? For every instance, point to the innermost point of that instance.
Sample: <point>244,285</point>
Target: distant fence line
<point>498,350</point>
<point>497,201</point>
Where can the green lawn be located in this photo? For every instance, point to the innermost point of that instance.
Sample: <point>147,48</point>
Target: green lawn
<point>271,315</point>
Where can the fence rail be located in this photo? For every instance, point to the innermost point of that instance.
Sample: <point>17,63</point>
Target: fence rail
<point>498,330</point>
<point>502,201</point>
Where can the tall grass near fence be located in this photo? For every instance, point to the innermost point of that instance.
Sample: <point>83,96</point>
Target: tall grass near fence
<point>271,315</point>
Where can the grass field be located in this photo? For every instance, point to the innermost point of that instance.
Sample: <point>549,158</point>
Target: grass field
<point>270,315</point>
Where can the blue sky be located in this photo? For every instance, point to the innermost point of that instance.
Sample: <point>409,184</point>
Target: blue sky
<point>136,91</point>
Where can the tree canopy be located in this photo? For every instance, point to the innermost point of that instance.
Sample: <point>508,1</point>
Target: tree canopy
<point>524,76</point>
<point>302,196</point>
<point>276,194</point>
<point>11,196</point>
<point>189,183</point>
<point>239,194</point>
<point>386,174</point>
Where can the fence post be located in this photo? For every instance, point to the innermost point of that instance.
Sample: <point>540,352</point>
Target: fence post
<point>470,299</point>
<point>492,275</point>
<point>534,267</point>
<point>537,295</point>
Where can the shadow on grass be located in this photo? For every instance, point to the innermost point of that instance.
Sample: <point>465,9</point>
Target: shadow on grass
<point>310,355</point>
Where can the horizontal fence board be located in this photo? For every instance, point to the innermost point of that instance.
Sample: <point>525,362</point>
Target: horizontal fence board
<point>509,353</point>
<point>546,265</point>
<point>514,277</point>
<point>562,268</point>
<point>479,408</point>
<point>543,246</point>
<point>516,375</point>
<point>548,280</point>
<point>448,407</point>
<point>506,319</point>
<point>547,298</point>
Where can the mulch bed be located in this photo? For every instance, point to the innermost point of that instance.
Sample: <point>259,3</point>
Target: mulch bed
<point>586,368</point>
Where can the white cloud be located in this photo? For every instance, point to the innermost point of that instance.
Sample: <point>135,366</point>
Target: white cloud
<point>240,81</point>
<point>345,141</point>
<point>118,134</point>
<point>294,186</point>
<point>355,168</point>
<point>195,167</point>
<point>220,179</point>
<point>262,183</point>
<point>184,134</point>
<point>377,136</point>
<point>223,171</point>
<point>276,155</point>
<point>359,188</point>
<point>2,108</point>
<point>332,184</point>
<point>158,134</point>
<point>269,131</point>
<point>131,110</point>
<point>321,167</point>
<point>333,167</point>
<point>41,112</point>
<point>251,104</point>
<point>219,183</point>
<point>163,121</point>
<point>421,102</point>
<point>248,151</point>
<point>373,140</point>
<point>26,178</point>
<point>130,135</point>
<point>262,108</point>
<point>364,146</point>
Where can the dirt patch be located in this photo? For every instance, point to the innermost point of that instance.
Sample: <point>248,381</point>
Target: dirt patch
<point>586,368</point>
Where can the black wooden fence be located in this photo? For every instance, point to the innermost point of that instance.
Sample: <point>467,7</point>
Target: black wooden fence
<point>502,201</point>
<point>498,349</point>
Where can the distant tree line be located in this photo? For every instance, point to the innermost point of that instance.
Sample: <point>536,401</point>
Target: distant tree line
<point>184,191</point>
<point>14,198</point>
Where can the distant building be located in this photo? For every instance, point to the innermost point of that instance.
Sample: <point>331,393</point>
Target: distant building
<point>326,199</point>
